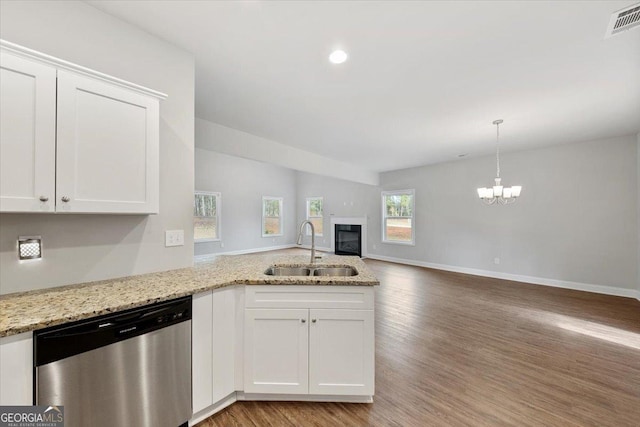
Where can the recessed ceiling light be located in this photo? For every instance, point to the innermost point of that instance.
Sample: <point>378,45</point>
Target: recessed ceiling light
<point>338,56</point>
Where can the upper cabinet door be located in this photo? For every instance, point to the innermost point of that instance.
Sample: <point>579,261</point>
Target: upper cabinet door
<point>107,148</point>
<point>27,135</point>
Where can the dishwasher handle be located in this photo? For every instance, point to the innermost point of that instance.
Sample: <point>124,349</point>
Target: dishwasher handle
<point>110,323</point>
<point>107,327</point>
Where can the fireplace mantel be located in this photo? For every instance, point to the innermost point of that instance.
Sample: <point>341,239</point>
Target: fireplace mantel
<point>349,220</point>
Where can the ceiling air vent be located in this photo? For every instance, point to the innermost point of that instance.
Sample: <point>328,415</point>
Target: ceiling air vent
<point>623,20</point>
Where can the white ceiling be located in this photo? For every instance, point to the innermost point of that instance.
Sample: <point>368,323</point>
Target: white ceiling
<point>423,82</point>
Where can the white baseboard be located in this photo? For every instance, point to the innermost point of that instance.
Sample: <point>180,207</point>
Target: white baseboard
<point>209,257</point>
<point>216,407</point>
<point>587,287</point>
<point>239,395</point>
<point>303,398</point>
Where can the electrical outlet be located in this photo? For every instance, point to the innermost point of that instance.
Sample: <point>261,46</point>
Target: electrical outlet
<point>375,247</point>
<point>222,244</point>
<point>173,238</point>
<point>496,261</point>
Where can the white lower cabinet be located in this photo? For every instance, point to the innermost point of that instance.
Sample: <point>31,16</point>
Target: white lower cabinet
<point>213,347</point>
<point>224,335</point>
<point>341,352</point>
<point>202,351</point>
<point>16,369</point>
<point>276,348</point>
<point>316,351</point>
<point>271,340</point>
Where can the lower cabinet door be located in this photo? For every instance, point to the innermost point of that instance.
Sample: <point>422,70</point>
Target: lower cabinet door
<point>224,330</point>
<point>341,352</point>
<point>276,351</point>
<point>202,351</point>
<point>16,370</point>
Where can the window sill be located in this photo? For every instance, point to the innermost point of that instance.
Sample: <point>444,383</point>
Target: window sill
<point>206,240</point>
<point>391,242</point>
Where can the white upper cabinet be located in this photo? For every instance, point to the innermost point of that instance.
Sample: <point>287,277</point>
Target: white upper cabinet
<point>107,153</point>
<point>75,140</point>
<point>27,135</point>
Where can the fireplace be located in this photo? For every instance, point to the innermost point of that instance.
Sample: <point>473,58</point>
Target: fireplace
<point>348,239</point>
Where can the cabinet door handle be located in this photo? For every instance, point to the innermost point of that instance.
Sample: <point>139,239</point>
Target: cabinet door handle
<point>314,320</point>
<point>303,320</point>
<point>65,199</point>
<point>44,199</point>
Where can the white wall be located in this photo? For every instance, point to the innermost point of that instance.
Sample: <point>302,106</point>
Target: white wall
<point>79,248</point>
<point>583,234</point>
<point>341,199</point>
<point>215,137</point>
<point>576,220</point>
<point>242,183</point>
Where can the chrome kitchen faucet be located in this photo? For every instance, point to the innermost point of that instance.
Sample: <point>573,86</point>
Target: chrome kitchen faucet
<point>313,238</point>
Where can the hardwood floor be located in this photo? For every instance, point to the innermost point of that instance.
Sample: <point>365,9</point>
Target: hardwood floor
<point>459,350</point>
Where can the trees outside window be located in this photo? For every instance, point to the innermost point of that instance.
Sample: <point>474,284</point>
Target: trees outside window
<point>398,217</point>
<point>272,216</point>
<point>315,215</point>
<point>206,216</point>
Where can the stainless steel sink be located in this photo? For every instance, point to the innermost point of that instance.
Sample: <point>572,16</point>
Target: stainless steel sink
<point>288,271</point>
<point>335,271</point>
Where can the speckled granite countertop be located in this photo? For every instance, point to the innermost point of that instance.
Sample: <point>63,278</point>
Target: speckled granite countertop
<point>27,311</point>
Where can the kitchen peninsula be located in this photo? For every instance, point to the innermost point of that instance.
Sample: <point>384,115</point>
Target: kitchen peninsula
<point>254,335</point>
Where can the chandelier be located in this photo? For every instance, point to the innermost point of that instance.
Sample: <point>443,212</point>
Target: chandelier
<point>498,193</point>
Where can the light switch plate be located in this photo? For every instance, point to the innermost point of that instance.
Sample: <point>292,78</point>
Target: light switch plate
<point>174,238</point>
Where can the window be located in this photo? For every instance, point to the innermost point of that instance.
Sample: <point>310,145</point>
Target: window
<point>314,214</point>
<point>206,216</point>
<point>271,216</point>
<point>397,217</point>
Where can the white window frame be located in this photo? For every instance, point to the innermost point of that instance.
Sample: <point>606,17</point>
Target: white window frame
<point>281,201</point>
<point>410,192</point>
<point>309,200</point>
<point>218,197</point>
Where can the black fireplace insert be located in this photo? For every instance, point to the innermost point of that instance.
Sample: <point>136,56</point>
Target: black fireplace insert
<point>348,239</point>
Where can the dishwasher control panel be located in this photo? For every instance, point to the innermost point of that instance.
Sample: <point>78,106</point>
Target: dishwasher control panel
<point>59,342</point>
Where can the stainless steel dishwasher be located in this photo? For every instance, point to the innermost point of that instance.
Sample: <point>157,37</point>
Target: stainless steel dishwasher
<point>131,368</point>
